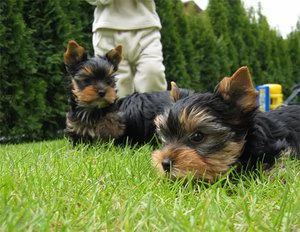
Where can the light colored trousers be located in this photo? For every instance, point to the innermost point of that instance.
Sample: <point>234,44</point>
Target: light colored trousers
<point>142,69</point>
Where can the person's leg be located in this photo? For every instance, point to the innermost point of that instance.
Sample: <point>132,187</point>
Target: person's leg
<point>150,74</point>
<point>124,75</point>
<point>104,41</point>
<point>124,82</point>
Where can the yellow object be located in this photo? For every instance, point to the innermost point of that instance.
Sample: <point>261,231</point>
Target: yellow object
<point>276,96</point>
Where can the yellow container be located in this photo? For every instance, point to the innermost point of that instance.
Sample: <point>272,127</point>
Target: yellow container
<point>276,96</point>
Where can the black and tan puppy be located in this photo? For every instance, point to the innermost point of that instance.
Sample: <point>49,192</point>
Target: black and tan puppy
<point>95,113</point>
<point>206,134</point>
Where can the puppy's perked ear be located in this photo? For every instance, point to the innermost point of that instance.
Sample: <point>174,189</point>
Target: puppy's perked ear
<point>239,89</point>
<point>174,92</point>
<point>74,53</point>
<point>114,56</point>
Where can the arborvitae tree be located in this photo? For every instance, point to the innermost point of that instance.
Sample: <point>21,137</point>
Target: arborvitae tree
<point>263,53</point>
<point>173,55</point>
<point>219,18</point>
<point>270,63</point>
<point>286,79</point>
<point>206,50</point>
<point>185,37</point>
<point>251,42</point>
<point>283,67</point>
<point>22,94</point>
<point>54,23</point>
<point>238,25</point>
<point>34,36</point>
<point>293,44</point>
<point>218,13</point>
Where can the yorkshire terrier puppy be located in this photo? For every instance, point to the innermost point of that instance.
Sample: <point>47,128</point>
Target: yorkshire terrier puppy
<point>204,135</point>
<point>96,114</point>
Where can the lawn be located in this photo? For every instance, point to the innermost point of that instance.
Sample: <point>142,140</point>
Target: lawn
<point>50,186</point>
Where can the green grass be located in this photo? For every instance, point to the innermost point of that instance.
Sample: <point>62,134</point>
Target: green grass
<point>49,186</point>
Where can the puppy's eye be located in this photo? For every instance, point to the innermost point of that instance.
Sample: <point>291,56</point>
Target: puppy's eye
<point>196,137</point>
<point>109,81</point>
<point>86,81</point>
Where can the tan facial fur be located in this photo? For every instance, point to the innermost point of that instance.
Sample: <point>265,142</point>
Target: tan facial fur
<point>191,120</point>
<point>186,160</point>
<point>89,97</point>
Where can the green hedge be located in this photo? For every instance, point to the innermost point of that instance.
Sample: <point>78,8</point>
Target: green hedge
<point>33,37</point>
<point>199,49</point>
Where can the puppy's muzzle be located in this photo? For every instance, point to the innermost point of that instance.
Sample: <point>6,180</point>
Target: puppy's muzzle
<point>101,92</point>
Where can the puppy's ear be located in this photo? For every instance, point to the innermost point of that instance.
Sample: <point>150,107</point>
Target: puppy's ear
<point>239,89</point>
<point>114,56</point>
<point>159,121</point>
<point>174,92</point>
<point>74,53</point>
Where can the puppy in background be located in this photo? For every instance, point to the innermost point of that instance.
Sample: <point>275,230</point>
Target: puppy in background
<point>96,114</point>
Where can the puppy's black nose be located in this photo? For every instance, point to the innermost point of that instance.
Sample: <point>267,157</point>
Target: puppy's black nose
<point>101,92</point>
<point>166,164</point>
